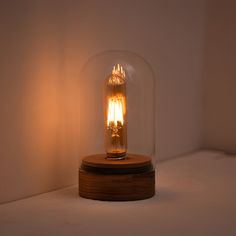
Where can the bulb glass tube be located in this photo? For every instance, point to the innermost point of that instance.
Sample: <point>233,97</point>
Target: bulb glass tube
<point>115,114</point>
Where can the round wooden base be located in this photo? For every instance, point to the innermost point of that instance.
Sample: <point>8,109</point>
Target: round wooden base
<point>132,178</point>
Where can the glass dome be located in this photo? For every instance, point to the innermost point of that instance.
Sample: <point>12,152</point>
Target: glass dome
<point>116,113</point>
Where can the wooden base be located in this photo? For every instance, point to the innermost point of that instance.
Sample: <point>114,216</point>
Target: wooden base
<point>117,180</point>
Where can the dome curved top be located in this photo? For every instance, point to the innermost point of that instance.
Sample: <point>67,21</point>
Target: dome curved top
<point>132,62</point>
<point>140,101</point>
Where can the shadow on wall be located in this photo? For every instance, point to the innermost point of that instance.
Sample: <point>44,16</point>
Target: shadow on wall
<point>219,77</point>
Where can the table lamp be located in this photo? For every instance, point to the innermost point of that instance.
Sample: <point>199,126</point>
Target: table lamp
<point>124,170</point>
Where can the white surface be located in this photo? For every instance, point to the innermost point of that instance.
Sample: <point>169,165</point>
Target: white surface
<point>43,45</point>
<point>196,196</point>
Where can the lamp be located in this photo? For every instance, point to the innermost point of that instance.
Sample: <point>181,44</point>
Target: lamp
<point>125,168</point>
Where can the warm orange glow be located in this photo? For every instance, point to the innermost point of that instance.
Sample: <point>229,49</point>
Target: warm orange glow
<point>115,111</point>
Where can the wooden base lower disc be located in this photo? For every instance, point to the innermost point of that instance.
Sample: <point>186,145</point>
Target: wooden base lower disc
<point>117,180</point>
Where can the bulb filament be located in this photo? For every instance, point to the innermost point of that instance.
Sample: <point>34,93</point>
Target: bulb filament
<point>115,114</point>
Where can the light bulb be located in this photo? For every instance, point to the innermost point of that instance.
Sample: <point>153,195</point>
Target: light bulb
<point>115,114</point>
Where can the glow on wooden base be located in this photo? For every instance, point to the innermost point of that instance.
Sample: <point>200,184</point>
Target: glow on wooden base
<point>132,178</point>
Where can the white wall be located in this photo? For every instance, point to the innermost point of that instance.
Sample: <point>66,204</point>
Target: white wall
<point>220,77</point>
<point>35,148</point>
<point>43,46</point>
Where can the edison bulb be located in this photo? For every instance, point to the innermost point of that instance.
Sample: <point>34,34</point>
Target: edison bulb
<point>115,114</point>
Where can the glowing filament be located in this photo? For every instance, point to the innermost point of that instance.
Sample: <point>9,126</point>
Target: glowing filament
<point>118,70</point>
<point>115,112</point>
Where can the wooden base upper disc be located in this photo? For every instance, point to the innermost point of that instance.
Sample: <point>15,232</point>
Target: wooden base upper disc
<point>132,178</point>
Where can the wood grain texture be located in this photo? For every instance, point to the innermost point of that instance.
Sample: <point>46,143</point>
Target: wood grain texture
<point>117,187</point>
